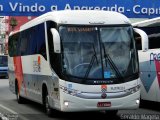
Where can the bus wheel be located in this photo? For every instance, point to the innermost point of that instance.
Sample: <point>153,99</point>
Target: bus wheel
<point>48,109</point>
<point>19,98</point>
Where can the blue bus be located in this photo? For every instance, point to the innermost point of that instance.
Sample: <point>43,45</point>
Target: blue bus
<point>4,66</point>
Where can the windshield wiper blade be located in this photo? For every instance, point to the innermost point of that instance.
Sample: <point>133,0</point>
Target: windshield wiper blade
<point>111,63</point>
<point>90,66</point>
<point>91,62</point>
<point>95,54</point>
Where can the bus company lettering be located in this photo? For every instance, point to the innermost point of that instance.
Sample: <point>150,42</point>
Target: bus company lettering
<point>118,88</point>
<point>155,56</point>
<point>36,66</point>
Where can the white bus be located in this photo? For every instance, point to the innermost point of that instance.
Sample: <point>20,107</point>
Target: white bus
<point>149,59</point>
<point>76,61</point>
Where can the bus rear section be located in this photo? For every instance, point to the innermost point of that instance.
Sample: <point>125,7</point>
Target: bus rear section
<point>149,60</point>
<point>88,63</point>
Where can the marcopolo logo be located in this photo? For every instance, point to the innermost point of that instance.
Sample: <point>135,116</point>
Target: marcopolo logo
<point>104,90</point>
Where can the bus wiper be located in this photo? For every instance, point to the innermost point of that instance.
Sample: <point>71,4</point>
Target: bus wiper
<point>91,62</point>
<point>111,63</point>
<point>95,54</point>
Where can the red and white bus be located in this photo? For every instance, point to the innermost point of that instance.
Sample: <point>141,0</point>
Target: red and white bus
<point>76,61</point>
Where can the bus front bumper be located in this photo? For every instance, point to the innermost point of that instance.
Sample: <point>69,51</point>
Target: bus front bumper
<point>71,103</point>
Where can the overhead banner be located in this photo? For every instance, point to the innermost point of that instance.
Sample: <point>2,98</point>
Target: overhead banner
<point>131,8</point>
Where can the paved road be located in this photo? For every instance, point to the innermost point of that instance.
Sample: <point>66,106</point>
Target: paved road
<point>9,108</point>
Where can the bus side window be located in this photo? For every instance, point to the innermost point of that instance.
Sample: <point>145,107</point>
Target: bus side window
<point>40,36</point>
<point>138,41</point>
<point>13,45</point>
<point>23,43</point>
<point>32,41</point>
<point>154,37</point>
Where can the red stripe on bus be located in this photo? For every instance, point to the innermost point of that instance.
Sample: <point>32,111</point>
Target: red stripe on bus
<point>157,63</point>
<point>19,72</point>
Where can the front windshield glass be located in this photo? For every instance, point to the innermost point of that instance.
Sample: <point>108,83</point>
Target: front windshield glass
<point>3,61</point>
<point>81,52</point>
<point>98,52</point>
<point>118,48</point>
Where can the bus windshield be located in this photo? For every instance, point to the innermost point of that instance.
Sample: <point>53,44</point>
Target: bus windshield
<point>3,61</point>
<point>98,52</point>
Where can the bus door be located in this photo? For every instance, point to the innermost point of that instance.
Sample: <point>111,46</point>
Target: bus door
<point>147,75</point>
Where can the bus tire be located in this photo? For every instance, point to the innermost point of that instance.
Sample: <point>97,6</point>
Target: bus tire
<point>48,109</point>
<point>20,99</point>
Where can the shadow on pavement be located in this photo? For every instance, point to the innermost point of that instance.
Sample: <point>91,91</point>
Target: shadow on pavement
<point>85,116</point>
<point>71,115</point>
<point>150,105</point>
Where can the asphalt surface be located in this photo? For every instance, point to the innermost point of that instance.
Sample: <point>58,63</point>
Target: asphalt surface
<point>11,110</point>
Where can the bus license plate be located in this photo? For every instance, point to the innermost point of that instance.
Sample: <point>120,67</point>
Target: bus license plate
<point>104,104</point>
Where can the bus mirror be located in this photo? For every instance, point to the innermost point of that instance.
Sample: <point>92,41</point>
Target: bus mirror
<point>144,39</point>
<point>56,40</point>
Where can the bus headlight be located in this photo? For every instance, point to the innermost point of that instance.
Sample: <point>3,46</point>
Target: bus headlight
<point>66,103</point>
<point>137,101</point>
<point>133,90</point>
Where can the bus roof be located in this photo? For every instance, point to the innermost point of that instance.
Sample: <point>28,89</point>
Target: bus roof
<point>79,17</point>
<point>148,23</point>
